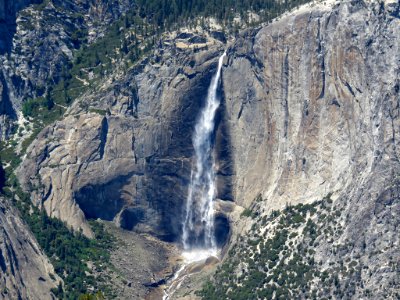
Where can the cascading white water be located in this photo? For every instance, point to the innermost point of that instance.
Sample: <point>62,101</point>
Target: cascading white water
<point>198,227</point>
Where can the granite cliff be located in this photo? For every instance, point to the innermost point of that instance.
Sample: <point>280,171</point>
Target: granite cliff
<point>310,111</point>
<point>26,272</point>
<point>121,154</point>
<point>317,114</point>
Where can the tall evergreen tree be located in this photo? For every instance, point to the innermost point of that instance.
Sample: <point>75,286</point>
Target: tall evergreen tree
<point>2,177</point>
<point>49,101</point>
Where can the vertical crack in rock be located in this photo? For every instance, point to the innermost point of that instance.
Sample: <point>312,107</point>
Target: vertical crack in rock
<point>321,57</point>
<point>285,83</point>
<point>103,136</point>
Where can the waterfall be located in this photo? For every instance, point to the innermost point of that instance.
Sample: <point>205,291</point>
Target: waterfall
<point>198,226</point>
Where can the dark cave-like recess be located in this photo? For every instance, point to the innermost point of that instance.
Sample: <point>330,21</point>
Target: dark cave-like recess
<point>222,230</point>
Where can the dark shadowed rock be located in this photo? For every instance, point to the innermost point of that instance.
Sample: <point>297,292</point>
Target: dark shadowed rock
<point>132,165</point>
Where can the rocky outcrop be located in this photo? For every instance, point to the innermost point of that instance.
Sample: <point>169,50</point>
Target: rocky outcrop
<point>37,42</point>
<point>294,101</point>
<point>7,112</point>
<point>8,24</point>
<point>26,273</point>
<point>124,153</point>
<point>8,21</point>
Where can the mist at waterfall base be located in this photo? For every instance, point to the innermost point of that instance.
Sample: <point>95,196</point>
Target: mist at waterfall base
<point>198,237</point>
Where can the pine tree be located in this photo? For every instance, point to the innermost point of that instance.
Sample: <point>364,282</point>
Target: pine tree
<point>126,22</point>
<point>60,290</point>
<point>124,47</point>
<point>96,59</point>
<point>2,177</point>
<point>49,101</point>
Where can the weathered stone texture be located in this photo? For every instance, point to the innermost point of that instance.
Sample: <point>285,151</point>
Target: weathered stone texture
<point>312,105</point>
<point>124,153</point>
<point>24,269</point>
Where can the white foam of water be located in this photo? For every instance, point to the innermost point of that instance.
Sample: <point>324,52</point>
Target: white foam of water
<point>198,225</point>
<point>189,257</point>
<point>198,255</point>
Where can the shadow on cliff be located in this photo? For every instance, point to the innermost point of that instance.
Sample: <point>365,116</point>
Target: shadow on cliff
<point>102,201</point>
<point>8,25</point>
<point>224,172</point>
<point>224,157</point>
<point>6,107</point>
<point>167,190</point>
<point>155,200</point>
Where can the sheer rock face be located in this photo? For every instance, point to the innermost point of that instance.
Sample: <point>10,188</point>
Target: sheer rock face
<point>25,270</point>
<point>312,106</point>
<point>124,152</point>
<point>312,102</point>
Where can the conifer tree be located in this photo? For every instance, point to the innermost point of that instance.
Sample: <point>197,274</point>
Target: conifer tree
<point>2,177</point>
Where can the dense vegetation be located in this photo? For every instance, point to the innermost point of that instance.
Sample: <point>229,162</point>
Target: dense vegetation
<point>177,13</point>
<point>69,252</point>
<point>277,259</point>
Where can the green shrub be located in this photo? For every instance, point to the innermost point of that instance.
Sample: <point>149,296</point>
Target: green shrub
<point>247,213</point>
